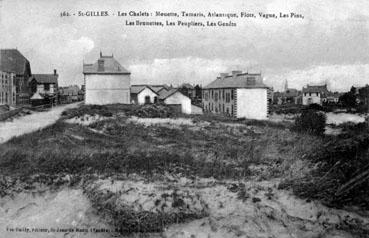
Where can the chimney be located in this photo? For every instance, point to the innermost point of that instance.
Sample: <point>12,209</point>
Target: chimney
<point>100,65</point>
<point>54,71</point>
<point>223,75</point>
<point>235,72</point>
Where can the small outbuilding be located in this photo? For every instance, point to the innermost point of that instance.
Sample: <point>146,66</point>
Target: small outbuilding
<point>143,94</point>
<point>175,97</point>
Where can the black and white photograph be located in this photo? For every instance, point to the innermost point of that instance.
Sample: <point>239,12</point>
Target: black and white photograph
<point>184,118</point>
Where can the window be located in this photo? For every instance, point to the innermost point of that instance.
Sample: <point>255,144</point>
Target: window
<point>223,107</point>
<point>227,110</point>
<point>232,94</point>
<point>310,94</point>
<point>216,96</point>
<point>232,110</point>
<point>228,97</point>
<point>47,87</point>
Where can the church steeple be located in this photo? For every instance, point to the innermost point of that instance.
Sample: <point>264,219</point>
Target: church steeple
<point>285,85</point>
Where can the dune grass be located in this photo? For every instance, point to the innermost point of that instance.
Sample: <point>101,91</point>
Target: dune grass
<point>118,146</point>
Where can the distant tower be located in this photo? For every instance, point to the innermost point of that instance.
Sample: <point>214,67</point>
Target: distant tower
<point>285,85</point>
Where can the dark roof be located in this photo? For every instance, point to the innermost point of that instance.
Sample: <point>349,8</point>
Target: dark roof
<point>315,89</point>
<point>156,87</point>
<point>136,89</point>
<point>109,66</point>
<point>45,78</point>
<point>167,93</point>
<point>11,60</point>
<point>241,80</point>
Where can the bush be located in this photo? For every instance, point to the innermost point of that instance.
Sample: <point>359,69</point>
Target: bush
<point>315,107</point>
<point>153,111</point>
<point>339,178</point>
<point>311,122</point>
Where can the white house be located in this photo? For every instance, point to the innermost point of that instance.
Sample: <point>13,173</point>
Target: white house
<point>143,94</point>
<point>240,95</point>
<point>175,97</point>
<point>107,82</point>
<point>314,94</point>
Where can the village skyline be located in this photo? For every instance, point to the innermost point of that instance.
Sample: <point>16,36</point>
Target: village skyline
<point>321,48</point>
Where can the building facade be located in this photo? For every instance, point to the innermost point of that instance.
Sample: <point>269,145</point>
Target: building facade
<point>11,60</point>
<point>240,95</point>
<point>69,94</point>
<point>314,94</point>
<point>175,97</point>
<point>44,86</point>
<point>143,94</point>
<point>7,88</point>
<point>107,82</point>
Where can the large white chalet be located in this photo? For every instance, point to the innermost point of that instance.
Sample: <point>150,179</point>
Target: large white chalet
<point>237,95</point>
<point>107,82</point>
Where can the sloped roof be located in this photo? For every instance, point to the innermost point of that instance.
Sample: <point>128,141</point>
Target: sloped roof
<point>110,66</point>
<point>11,60</point>
<point>237,81</point>
<point>315,89</point>
<point>156,87</point>
<point>163,94</point>
<point>45,78</point>
<point>136,89</point>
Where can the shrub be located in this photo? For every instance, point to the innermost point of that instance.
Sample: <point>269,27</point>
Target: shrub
<point>310,121</point>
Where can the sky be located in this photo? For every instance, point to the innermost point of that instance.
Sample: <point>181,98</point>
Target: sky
<point>329,45</point>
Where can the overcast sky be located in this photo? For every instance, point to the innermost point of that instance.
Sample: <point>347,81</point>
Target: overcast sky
<point>330,45</point>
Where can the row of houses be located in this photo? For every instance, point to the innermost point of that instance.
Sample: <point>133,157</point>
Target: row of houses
<point>238,94</point>
<point>107,82</point>
<point>310,94</point>
<point>19,86</point>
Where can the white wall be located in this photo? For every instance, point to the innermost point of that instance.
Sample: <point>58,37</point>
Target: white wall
<point>106,96</point>
<point>146,92</point>
<point>314,98</point>
<point>179,98</point>
<point>107,89</point>
<point>252,103</point>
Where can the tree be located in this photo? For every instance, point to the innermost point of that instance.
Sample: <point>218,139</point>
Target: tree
<point>349,99</point>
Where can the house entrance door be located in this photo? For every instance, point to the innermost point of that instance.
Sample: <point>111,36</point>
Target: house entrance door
<point>147,100</point>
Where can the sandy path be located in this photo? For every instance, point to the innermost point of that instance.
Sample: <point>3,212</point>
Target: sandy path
<point>30,123</point>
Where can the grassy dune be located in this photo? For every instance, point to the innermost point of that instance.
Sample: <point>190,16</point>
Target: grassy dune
<point>220,148</point>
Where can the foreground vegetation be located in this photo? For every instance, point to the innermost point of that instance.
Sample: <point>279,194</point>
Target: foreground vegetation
<point>114,143</point>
